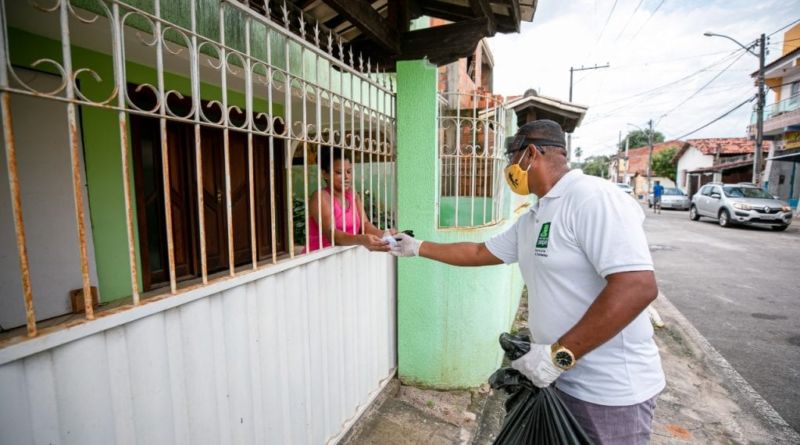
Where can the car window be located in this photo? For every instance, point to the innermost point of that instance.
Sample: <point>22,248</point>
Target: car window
<point>716,189</point>
<point>673,191</point>
<point>706,190</point>
<point>745,192</point>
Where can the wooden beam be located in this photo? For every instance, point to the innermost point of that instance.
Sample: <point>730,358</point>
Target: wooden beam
<point>454,13</point>
<point>361,14</point>
<point>444,44</point>
<point>481,8</point>
<point>515,14</point>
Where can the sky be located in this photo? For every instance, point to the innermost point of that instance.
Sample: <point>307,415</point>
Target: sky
<point>661,66</point>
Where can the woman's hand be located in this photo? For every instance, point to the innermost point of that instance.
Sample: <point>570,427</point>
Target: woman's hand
<point>374,243</point>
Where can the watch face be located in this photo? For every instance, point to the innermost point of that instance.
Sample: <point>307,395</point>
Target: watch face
<point>563,359</point>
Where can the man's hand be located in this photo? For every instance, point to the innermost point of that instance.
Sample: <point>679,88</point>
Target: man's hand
<point>374,243</point>
<point>406,245</point>
<point>537,365</point>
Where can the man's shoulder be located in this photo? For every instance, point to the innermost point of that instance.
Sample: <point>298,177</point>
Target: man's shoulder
<point>588,186</point>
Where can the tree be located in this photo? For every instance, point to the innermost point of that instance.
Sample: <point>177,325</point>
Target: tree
<point>638,138</point>
<point>578,154</point>
<point>596,166</point>
<point>662,163</point>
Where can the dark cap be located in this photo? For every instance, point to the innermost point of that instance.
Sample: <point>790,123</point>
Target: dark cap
<point>546,130</point>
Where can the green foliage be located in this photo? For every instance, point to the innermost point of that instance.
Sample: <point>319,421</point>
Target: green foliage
<point>596,166</point>
<point>662,163</point>
<point>638,138</point>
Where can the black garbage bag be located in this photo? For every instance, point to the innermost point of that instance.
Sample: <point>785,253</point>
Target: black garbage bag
<point>533,415</point>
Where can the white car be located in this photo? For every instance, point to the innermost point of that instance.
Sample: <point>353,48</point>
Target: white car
<point>625,188</point>
<point>673,198</point>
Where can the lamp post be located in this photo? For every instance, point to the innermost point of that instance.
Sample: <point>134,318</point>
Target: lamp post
<point>650,151</point>
<point>761,43</point>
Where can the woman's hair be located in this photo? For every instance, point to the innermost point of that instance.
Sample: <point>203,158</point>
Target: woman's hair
<point>329,154</point>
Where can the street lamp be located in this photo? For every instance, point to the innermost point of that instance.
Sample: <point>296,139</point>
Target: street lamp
<point>760,105</point>
<point>649,153</point>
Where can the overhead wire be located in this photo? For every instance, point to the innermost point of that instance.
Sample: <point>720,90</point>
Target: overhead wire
<point>629,21</point>
<point>674,82</point>
<point>648,20</point>
<point>608,19</point>
<point>784,27</point>
<point>717,90</point>
<point>722,116</point>
<point>699,90</point>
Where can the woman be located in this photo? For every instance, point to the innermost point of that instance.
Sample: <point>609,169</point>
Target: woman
<point>340,204</point>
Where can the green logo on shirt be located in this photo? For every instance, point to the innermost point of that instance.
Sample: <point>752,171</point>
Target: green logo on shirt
<point>544,234</point>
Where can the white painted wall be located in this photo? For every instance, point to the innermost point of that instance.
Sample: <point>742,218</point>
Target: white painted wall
<point>43,167</point>
<point>692,159</point>
<point>288,358</point>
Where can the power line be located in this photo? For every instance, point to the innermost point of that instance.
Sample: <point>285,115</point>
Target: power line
<point>608,19</point>
<point>648,20</point>
<point>750,99</point>
<point>689,76</point>
<point>653,91</point>
<point>629,21</point>
<point>699,90</point>
<point>784,27</point>
<point>593,119</point>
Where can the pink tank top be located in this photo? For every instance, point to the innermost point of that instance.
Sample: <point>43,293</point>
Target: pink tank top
<point>352,220</point>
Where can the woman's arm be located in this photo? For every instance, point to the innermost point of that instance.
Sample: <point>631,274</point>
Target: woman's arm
<point>322,214</point>
<point>369,228</point>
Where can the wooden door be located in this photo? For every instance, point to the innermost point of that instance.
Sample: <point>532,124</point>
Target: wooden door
<point>214,199</point>
<point>148,180</point>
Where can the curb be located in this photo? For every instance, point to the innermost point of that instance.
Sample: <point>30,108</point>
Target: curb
<point>731,379</point>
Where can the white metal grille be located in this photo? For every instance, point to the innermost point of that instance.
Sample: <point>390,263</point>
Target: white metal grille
<point>471,136</point>
<point>286,87</point>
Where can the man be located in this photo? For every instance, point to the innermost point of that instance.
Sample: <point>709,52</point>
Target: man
<point>584,257</point>
<point>658,192</point>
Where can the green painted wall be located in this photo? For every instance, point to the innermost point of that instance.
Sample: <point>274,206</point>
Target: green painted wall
<point>102,157</point>
<point>448,318</point>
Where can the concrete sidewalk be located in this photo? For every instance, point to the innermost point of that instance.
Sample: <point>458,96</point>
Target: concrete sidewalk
<point>706,401</point>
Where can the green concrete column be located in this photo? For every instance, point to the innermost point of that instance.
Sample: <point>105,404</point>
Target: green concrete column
<point>448,317</point>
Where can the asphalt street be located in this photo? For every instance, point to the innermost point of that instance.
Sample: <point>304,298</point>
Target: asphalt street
<point>740,287</point>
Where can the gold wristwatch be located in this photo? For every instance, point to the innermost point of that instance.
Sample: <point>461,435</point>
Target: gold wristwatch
<point>562,357</point>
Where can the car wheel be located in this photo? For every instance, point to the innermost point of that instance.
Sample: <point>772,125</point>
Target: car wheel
<point>724,218</point>
<point>780,228</point>
<point>693,215</point>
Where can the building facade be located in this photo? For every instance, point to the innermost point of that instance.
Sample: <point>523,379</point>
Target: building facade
<point>158,285</point>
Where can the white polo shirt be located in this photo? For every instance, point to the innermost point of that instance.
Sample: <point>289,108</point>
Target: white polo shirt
<point>582,230</point>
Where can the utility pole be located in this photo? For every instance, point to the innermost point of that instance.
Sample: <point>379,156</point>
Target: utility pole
<point>571,71</point>
<point>759,114</point>
<point>649,156</point>
<point>627,143</point>
<point>761,42</point>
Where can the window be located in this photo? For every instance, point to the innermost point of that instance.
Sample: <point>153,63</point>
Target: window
<point>187,170</point>
<point>706,190</point>
<point>471,137</point>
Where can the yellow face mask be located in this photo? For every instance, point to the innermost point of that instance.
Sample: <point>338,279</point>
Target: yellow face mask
<point>517,178</point>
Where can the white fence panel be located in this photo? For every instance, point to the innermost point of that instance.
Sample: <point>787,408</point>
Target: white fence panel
<point>288,358</point>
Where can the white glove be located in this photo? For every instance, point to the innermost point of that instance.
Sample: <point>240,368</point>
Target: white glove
<point>537,365</point>
<point>406,245</point>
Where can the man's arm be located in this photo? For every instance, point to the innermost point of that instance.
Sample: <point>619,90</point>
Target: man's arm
<point>625,296</point>
<point>455,254</point>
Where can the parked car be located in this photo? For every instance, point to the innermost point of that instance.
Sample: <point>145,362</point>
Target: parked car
<point>625,188</point>
<point>740,204</point>
<point>673,198</point>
